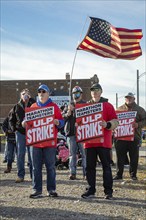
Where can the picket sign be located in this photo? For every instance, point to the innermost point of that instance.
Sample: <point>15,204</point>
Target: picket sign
<point>125,130</point>
<point>40,125</point>
<point>88,118</point>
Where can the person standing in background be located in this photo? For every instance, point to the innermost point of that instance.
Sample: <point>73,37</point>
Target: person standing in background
<point>15,121</point>
<point>124,146</point>
<point>10,143</point>
<point>70,132</point>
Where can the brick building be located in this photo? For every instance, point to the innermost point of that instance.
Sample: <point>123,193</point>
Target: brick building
<point>10,90</point>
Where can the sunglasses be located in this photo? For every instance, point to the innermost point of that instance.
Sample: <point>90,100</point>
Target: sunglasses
<point>41,91</point>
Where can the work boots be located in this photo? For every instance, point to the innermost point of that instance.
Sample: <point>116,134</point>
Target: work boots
<point>8,170</point>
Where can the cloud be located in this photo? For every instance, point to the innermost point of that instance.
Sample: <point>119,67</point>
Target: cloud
<point>19,61</point>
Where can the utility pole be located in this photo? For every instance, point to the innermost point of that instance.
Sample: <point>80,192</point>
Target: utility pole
<point>138,77</point>
<point>137,87</point>
<point>116,100</point>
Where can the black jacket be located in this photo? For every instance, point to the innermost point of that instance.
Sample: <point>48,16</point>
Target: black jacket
<point>69,127</point>
<point>17,116</point>
<point>10,136</point>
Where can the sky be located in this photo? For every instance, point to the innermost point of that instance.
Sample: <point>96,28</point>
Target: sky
<point>39,41</point>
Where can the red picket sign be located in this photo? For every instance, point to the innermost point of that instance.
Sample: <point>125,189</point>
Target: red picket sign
<point>88,118</point>
<point>40,126</point>
<point>125,130</point>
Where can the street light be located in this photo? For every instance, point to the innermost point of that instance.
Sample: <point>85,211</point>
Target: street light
<point>138,77</point>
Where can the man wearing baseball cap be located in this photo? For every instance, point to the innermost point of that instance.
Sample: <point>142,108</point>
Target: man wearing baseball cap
<point>100,149</point>
<point>124,146</point>
<point>43,151</point>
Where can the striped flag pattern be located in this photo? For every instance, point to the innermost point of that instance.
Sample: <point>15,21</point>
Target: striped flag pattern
<point>105,40</point>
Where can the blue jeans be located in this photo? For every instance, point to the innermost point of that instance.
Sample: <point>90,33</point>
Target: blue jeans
<point>21,149</point>
<point>48,156</point>
<point>73,150</point>
<point>6,152</point>
<point>11,146</point>
<point>29,161</point>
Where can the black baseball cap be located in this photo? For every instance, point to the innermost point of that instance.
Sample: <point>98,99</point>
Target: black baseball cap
<point>95,86</point>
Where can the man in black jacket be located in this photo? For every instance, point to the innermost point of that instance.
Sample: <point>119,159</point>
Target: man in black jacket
<point>15,120</point>
<point>70,132</point>
<point>10,143</point>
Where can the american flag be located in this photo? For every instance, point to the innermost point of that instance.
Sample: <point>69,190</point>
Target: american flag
<point>106,40</point>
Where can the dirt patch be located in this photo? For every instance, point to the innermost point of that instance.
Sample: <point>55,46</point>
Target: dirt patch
<point>128,203</point>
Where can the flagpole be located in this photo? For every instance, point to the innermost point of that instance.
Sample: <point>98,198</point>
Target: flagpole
<point>72,74</point>
<point>72,69</point>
